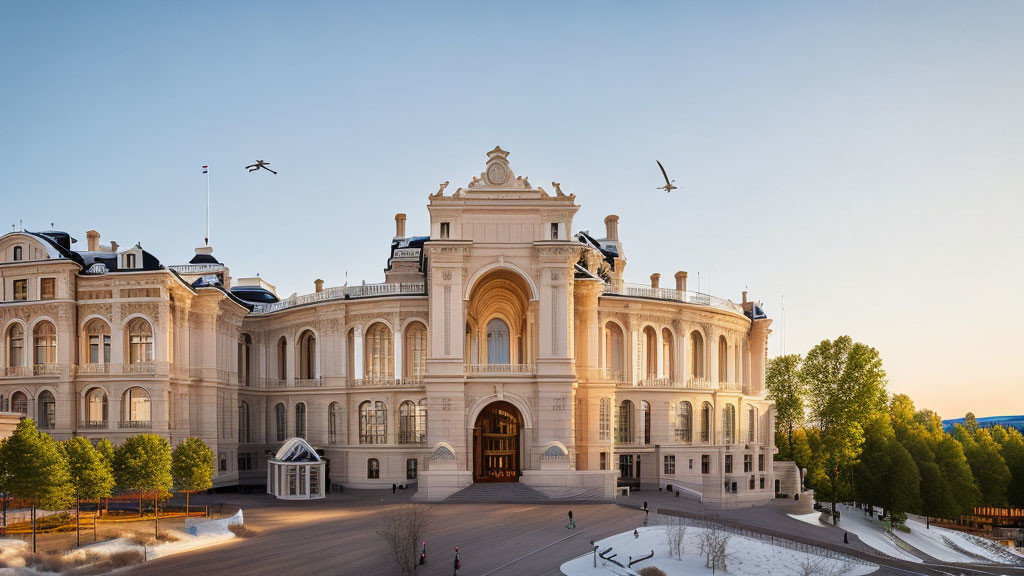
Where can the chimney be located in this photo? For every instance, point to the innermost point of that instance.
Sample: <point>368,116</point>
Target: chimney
<point>744,296</point>
<point>681,281</point>
<point>93,238</point>
<point>319,285</point>
<point>655,278</point>
<point>113,246</point>
<point>399,225</point>
<point>611,225</point>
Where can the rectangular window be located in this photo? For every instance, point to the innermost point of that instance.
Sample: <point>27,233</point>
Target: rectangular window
<point>604,460</point>
<point>625,465</point>
<point>760,462</point>
<point>244,461</point>
<point>554,230</point>
<point>446,229</point>
<point>748,463</point>
<point>48,288</point>
<point>705,464</point>
<point>670,464</point>
<point>129,260</point>
<point>691,464</point>
<point>410,469</point>
<point>728,463</point>
<point>21,290</point>
<point>223,464</point>
<point>17,253</point>
<point>751,482</point>
<point>762,482</point>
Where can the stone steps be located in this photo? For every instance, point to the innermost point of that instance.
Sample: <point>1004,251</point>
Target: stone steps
<point>514,492</point>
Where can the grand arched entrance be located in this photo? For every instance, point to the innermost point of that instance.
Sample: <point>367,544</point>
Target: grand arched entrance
<point>496,443</point>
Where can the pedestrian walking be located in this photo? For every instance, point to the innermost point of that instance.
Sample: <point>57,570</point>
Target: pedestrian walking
<point>423,555</point>
<point>458,563</point>
<point>571,523</point>
<point>394,488</point>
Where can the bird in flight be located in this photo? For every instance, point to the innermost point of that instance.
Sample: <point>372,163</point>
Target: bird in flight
<point>668,187</point>
<point>259,164</point>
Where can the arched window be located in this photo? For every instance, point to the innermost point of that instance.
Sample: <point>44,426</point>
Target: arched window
<point>379,353</point>
<point>606,419</point>
<point>243,422</point>
<point>412,424</point>
<point>19,403</point>
<point>706,422</point>
<point>624,427</point>
<point>15,346</point>
<point>47,411</point>
<point>668,354</point>
<point>135,408</point>
<point>140,341</point>
<point>650,343</point>
<point>645,409</point>
<point>497,341</point>
<point>307,355</point>
<point>684,421</point>
<point>44,337</point>
<point>729,424</point>
<point>723,359</point>
<point>332,423</point>
<point>373,420</point>
<point>300,420</point>
<point>281,418</point>
<point>415,354</point>
<point>97,334</point>
<point>372,468</point>
<point>751,423</point>
<point>613,344</point>
<point>696,355</point>
<point>95,408</point>
<point>244,359</point>
<point>282,359</point>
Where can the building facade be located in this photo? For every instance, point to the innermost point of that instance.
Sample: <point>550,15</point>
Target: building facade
<point>502,347</point>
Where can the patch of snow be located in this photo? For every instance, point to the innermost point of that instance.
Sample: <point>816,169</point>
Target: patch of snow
<point>931,543</point>
<point>871,532</point>
<point>812,518</point>
<point>970,543</point>
<point>12,552</point>
<point>747,556</point>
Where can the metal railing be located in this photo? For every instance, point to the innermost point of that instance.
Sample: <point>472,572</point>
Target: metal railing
<point>688,297</point>
<point>308,382</point>
<point>385,381</point>
<point>197,268</point>
<point>52,369</point>
<point>92,424</point>
<point>341,292</point>
<point>485,369</point>
<point>140,368</point>
<point>135,424</point>
<point>93,369</point>
<point>14,371</point>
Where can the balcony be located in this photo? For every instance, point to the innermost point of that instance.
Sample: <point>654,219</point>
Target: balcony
<point>50,369</point>
<point>93,424</point>
<point>140,368</point>
<point>386,382</point>
<point>16,371</point>
<point>345,292</point>
<point>309,382</point>
<point>93,369</point>
<point>687,297</point>
<point>656,382</point>
<point>730,386</point>
<point>198,268</point>
<point>136,424</point>
<point>600,375</point>
<point>497,369</point>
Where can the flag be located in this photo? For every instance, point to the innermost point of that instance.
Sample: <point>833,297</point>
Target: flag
<point>206,169</point>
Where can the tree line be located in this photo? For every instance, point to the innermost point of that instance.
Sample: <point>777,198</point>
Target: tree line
<point>835,418</point>
<point>56,475</point>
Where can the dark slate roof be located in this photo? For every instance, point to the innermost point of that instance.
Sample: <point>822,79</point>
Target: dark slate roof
<point>61,241</point>
<point>404,243</point>
<point>203,259</point>
<point>609,250</point>
<point>254,294</point>
<point>755,312</point>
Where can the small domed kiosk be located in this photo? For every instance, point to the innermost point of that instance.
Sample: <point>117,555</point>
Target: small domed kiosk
<point>296,472</point>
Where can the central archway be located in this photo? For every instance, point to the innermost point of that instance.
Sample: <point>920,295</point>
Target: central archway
<point>496,443</point>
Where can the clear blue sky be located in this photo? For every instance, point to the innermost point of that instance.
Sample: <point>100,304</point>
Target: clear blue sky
<point>864,159</point>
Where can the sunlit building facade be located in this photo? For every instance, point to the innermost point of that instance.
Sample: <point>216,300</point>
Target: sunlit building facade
<point>503,346</point>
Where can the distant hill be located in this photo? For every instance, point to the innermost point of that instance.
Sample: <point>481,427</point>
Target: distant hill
<point>989,421</point>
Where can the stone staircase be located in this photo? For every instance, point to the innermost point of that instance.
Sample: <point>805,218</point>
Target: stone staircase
<point>515,492</point>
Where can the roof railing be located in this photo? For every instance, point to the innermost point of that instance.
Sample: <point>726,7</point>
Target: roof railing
<point>687,296</point>
<point>340,292</point>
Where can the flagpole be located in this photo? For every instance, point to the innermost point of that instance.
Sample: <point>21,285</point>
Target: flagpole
<point>207,205</point>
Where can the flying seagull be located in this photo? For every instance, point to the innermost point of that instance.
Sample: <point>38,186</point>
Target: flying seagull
<point>668,187</point>
<point>259,164</point>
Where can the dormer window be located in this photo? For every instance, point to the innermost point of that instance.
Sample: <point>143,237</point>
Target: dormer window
<point>17,253</point>
<point>554,230</point>
<point>129,260</point>
<point>446,229</point>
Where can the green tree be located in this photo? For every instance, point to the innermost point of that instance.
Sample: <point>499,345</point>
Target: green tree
<point>143,465</point>
<point>986,462</point>
<point>845,387</point>
<point>952,461</point>
<point>1011,446</point>
<point>34,469</point>
<point>89,477</point>
<point>192,467</point>
<point>786,389</point>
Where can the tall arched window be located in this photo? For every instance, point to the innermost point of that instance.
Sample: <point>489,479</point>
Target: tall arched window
<point>645,409</point>
<point>684,421</point>
<point>300,420</point>
<point>668,354</point>
<point>281,419</point>
<point>244,359</point>
<point>332,423</point>
<point>723,359</point>
<point>97,334</point>
<point>696,355</point>
<point>372,468</point>
<point>497,341</point>
<point>44,337</point>
<point>729,424</point>
<point>96,408</point>
<point>47,411</point>
<point>412,424</point>
<point>373,420</point>
<point>380,359</point>
<point>415,355</point>
<point>140,341</point>
<point>606,419</point>
<point>15,346</point>
<point>243,422</point>
<point>282,359</point>
<point>650,353</point>
<point>751,423</point>
<point>307,355</point>
<point>613,344</point>
<point>707,424</point>
<point>135,408</point>
<point>624,427</point>
<point>19,403</point>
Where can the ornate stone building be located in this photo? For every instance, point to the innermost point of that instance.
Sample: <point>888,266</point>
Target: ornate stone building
<point>501,347</point>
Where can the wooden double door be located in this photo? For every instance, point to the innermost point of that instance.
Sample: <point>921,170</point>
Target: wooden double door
<point>496,448</point>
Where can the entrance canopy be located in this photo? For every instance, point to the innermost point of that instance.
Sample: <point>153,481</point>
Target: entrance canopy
<point>296,472</point>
